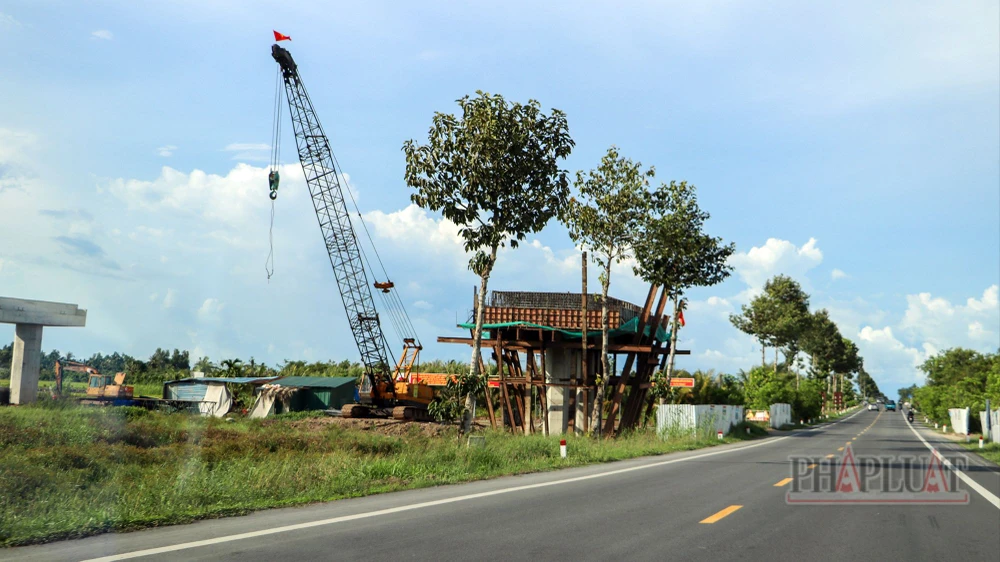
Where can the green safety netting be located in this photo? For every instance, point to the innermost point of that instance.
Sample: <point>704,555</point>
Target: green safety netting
<point>630,327</point>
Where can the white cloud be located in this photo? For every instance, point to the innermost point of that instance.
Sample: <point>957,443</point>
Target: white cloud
<point>989,302</point>
<point>166,151</point>
<point>169,299</point>
<point>838,274</point>
<point>210,309</point>
<point>414,226</point>
<point>423,305</point>
<point>939,322</point>
<point>102,34</point>
<point>249,151</point>
<point>775,257</point>
<point>231,199</point>
<point>889,360</point>
<point>7,20</point>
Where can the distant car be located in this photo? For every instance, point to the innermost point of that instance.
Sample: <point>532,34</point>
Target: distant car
<point>890,406</point>
<point>873,407</point>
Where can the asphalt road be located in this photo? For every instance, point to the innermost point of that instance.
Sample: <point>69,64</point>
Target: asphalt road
<point>674,507</point>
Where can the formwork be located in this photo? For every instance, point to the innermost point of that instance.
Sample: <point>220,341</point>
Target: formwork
<point>545,356</point>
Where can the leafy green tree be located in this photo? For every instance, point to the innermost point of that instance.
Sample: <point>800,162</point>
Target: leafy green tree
<point>753,320</point>
<point>788,315</point>
<point>232,368</point>
<point>764,387</point>
<point>493,171</point>
<point>673,250</point>
<point>612,203</point>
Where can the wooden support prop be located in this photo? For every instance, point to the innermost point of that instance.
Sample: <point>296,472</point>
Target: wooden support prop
<point>489,396</point>
<point>504,394</point>
<point>545,396</point>
<point>644,370</point>
<point>616,400</point>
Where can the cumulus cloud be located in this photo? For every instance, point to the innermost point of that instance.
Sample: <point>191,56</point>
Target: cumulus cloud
<point>944,324</point>
<point>928,326</point>
<point>838,274</point>
<point>102,34</point>
<point>413,225</point>
<point>210,309</point>
<point>231,199</point>
<point>775,257</point>
<point>166,151</point>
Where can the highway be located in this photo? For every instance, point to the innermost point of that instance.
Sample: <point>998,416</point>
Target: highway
<point>722,503</point>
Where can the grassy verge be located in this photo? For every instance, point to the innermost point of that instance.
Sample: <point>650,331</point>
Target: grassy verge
<point>69,471</point>
<point>990,451</point>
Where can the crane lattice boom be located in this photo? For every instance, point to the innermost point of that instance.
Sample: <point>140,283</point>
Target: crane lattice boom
<point>334,221</point>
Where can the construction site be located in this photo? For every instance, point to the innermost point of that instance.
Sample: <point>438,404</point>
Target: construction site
<point>546,346</point>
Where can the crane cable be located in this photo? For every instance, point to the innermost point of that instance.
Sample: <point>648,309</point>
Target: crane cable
<point>273,178</point>
<point>397,312</point>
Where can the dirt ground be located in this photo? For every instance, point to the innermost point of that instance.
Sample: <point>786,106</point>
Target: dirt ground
<point>383,426</point>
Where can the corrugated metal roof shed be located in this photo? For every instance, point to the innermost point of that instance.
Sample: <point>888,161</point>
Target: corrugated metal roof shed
<point>234,380</point>
<point>315,382</point>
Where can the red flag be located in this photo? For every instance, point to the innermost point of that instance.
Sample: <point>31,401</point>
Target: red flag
<point>680,317</point>
<point>281,36</point>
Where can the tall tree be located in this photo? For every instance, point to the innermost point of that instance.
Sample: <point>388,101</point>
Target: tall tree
<point>674,251</point>
<point>753,321</point>
<point>788,317</point>
<point>611,206</point>
<point>493,171</point>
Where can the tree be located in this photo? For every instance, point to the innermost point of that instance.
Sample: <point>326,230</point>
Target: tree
<point>613,202</point>
<point>752,321</point>
<point>788,315</point>
<point>494,172</point>
<point>823,342</point>
<point>232,367</point>
<point>674,252</point>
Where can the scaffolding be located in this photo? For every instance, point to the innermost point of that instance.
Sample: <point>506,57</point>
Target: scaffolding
<point>538,361</point>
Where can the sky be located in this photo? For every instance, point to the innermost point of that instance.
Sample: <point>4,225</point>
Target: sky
<point>854,147</point>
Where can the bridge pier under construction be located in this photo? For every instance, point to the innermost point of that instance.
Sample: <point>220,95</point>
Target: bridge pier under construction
<point>29,317</point>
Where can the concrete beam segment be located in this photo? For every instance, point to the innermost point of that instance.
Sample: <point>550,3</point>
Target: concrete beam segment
<point>43,313</point>
<point>24,367</point>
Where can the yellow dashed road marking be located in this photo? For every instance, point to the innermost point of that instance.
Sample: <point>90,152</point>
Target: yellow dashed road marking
<point>725,512</point>
<point>783,482</point>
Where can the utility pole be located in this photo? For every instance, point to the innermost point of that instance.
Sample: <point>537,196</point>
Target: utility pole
<point>585,340</point>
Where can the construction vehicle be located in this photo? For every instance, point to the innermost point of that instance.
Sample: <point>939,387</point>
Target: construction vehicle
<point>98,386</point>
<point>399,393</point>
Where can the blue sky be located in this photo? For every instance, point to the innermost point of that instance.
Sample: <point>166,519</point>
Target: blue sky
<point>856,148</point>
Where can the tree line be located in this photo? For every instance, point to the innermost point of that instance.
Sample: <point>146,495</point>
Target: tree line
<point>956,378</point>
<point>166,365</point>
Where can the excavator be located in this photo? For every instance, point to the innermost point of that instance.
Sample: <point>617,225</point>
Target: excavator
<point>400,393</point>
<point>98,386</point>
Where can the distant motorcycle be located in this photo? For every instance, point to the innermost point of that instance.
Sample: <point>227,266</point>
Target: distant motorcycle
<point>909,416</point>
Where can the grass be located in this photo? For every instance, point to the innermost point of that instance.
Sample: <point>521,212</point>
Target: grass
<point>990,451</point>
<point>68,471</point>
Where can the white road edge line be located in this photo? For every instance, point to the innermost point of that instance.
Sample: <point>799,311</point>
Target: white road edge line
<point>402,508</point>
<point>987,495</point>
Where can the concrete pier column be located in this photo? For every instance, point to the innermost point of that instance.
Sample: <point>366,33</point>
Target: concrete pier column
<point>28,318</point>
<point>24,368</point>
